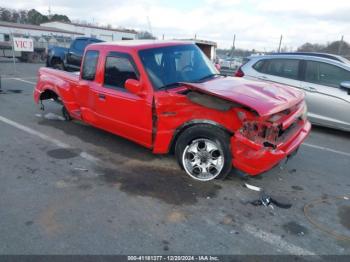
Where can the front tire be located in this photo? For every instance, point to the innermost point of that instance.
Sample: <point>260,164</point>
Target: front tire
<point>203,151</point>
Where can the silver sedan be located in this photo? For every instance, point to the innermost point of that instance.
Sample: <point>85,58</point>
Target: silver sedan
<point>326,83</point>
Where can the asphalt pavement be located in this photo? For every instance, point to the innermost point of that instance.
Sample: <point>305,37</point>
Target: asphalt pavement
<point>69,188</point>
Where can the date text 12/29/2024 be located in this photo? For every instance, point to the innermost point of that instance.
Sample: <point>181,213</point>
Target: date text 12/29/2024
<point>173,258</point>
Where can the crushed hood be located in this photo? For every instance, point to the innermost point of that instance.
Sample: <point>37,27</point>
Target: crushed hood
<point>263,97</point>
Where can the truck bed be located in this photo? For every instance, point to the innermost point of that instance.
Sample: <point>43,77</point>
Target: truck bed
<point>62,75</point>
<point>60,82</point>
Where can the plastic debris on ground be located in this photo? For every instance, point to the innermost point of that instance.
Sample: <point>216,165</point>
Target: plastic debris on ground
<point>267,200</point>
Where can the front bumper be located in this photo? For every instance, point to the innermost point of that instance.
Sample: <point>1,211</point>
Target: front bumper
<point>254,159</point>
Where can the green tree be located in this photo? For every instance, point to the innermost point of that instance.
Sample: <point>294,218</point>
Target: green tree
<point>15,17</point>
<point>145,35</point>
<point>36,18</point>
<point>60,18</point>
<point>5,14</point>
<point>23,14</point>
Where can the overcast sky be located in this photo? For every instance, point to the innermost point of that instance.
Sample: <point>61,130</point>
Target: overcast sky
<point>257,24</point>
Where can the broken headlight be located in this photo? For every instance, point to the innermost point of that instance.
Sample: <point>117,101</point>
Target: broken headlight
<point>304,113</point>
<point>260,132</point>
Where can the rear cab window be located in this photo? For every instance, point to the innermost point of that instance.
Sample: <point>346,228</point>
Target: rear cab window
<point>88,71</point>
<point>288,68</point>
<point>119,67</point>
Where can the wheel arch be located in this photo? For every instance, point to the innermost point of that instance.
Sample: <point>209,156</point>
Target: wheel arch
<point>192,123</point>
<point>48,93</point>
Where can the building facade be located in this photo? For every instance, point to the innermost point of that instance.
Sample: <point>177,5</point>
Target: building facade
<point>42,37</point>
<point>208,47</point>
<point>105,34</point>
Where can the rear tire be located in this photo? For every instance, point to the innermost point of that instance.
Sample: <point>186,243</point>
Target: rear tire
<point>203,151</point>
<point>66,114</point>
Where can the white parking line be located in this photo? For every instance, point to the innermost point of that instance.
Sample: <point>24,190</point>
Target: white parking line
<point>269,238</point>
<point>278,241</point>
<point>22,80</point>
<point>25,77</point>
<point>52,140</point>
<point>327,149</point>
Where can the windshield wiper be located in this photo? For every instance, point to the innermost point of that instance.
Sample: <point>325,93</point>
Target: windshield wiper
<point>175,84</point>
<point>207,77</point>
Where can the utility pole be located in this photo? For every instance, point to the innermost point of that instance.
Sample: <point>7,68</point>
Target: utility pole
<point>13,52</point>
<point>149,25</point>
<point>341,45</point>
<point>279,47</point>
<point>163,36</point>
<point>49,11</point>
<point>233,45</point>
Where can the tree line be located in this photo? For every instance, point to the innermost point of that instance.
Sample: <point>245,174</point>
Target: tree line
<point>34,17</point>
<point>31,16</point>
<point>336,47</point>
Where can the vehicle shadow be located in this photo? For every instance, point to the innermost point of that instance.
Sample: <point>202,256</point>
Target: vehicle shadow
<point>101,138</point>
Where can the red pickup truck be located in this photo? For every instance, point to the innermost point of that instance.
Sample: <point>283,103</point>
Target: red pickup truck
<point>168,97</point>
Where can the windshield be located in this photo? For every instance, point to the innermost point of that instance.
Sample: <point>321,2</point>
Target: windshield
<point>169,65</point>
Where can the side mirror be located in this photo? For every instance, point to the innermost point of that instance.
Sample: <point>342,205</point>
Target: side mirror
<point>133,86</point>
<point>345,85</point>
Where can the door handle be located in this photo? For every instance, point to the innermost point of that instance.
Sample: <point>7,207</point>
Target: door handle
<point>263,77</point>
<point>101,96</point>
<point>310,88</point>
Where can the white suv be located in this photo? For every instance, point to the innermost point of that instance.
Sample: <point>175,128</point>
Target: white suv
<point>325,81</point>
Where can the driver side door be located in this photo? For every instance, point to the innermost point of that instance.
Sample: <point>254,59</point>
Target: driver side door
<point>118,110</point>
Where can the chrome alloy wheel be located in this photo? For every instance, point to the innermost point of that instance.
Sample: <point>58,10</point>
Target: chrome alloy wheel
<point>203,159</point>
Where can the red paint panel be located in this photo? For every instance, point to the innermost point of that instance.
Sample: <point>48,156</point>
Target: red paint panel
<point>265,98</point>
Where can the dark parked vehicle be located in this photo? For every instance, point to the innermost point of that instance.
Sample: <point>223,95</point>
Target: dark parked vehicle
<point>69,58</point>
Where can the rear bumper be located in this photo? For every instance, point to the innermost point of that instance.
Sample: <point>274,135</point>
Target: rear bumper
<point>255,159</point>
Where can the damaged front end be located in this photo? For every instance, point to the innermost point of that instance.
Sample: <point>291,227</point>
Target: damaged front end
<point>262,142</point>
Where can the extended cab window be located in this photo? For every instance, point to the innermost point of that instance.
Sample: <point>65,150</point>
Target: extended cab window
<point>325,74</point>
<point>288,68</point>
<point>89,65</point>
<point>118,69</point>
